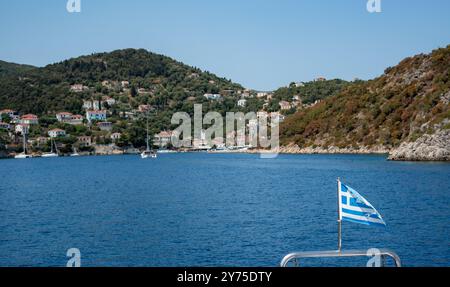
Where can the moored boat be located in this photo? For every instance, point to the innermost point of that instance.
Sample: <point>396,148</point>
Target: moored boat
<point>51,153</point>
<point>148,153</point>
<point>24,155</point>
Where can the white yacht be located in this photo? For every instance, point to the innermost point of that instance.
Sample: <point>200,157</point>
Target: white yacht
<point>75,153</point>
<point>24,155</point>
<point>51,153</point>
<point>148,153</point>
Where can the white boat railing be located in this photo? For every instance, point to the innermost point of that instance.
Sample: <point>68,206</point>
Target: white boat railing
<point>383,253</point>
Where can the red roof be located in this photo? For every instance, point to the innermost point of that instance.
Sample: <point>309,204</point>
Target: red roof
<point>30,117</point>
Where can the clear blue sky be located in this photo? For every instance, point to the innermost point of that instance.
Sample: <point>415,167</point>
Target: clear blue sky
<point>262,44</point>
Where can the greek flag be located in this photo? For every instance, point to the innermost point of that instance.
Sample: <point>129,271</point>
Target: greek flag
<point>355,208</point>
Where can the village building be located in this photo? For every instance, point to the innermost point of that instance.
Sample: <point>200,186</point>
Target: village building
<point>110,101</point>
<point>56,133</point>
<point>69,118</point>
<point>78,88</point>
<point>76,120</point>
<point>84,141</point>
<point>212,97</point>
<point>92,105</point>
<point>95,116</point>
<point>105,126</point>
<point>5,126</point>
<point>29,119</point>
<point>22,128</point>
<point>285,105</point>
<point>40,141</point>
<point>260,95</point>
<point>10,113</point>
<point>162,139</point>
<point>245,95</point>
<point>87,104</point>
<point>242,103</point>
<point>116,136</point>
<point>128,115</point>
<point>64,117</point>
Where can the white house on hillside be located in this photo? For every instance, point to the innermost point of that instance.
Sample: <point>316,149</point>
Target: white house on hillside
<point>242,103</point>
<point>55,133</point>
<point>213,97</point>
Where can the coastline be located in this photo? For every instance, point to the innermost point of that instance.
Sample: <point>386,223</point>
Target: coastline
<point>397,154</point>
<point>294,149</point>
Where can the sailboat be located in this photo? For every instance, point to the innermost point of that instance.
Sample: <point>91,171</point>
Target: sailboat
<point>148,153</point>
<point>24,155</point>
<point>51,153</point>
<point>75,153</point>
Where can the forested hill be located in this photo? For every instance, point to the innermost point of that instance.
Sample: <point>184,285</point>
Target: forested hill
<point>408,101</point>
<point>162,80</point>
<point>311,92</point>
<point>11,69</point>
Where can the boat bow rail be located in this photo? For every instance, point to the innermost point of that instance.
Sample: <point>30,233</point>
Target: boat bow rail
<point>383,253</point>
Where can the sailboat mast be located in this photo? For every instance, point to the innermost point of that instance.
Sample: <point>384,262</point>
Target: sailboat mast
<point>148,146</point>
<point>24,143</point>
<point>56,147</point>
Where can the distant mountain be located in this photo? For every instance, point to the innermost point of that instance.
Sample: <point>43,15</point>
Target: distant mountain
<point>10,69</point>
<point>163,81</point>
<point>407,102</point>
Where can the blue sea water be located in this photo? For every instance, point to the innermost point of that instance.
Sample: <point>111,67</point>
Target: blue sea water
<point>216,210</point>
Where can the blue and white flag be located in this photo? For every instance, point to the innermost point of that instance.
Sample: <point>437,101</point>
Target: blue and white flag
<point>355,208</point>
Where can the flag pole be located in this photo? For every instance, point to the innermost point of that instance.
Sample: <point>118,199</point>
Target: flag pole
<point>339,217</point>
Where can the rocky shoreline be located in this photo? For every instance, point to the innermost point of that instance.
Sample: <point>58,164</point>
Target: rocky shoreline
<point>330,150</point>
<point>435,147</point>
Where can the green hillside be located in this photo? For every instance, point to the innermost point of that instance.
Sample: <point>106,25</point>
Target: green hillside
<point>406,102</point>
<point>11,69</point>
<point>166,82</point>
<point>311,91</point>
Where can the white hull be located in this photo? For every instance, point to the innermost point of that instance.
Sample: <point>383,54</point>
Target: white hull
<point>75,154</point>
<point>145,155</point>
<point>48,155</point>
<point>23,156</point>
<point>166,151</point>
